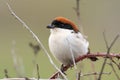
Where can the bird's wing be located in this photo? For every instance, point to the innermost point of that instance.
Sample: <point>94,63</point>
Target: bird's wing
<point>77,43</point>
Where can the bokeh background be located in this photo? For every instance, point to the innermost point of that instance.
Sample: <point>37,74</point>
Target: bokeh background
<point>97,16</point>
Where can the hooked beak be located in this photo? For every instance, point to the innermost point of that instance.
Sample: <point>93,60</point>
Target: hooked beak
<point>50,26</point>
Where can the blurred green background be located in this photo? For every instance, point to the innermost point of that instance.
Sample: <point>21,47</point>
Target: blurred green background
<point>96,16</point>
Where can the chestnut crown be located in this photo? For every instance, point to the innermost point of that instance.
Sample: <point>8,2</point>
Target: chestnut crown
<point>64,23</point>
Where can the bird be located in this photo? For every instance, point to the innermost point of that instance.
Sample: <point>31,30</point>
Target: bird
<point>66,42</point>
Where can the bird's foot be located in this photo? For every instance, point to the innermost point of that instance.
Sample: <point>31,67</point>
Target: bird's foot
<point>62,69</point>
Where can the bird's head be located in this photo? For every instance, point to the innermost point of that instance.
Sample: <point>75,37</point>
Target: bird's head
<point>64,23</point>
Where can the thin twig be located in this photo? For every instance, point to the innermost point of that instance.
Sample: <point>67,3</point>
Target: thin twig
<point>25,78</point>
<point>95,73</point>
<point>77,10</point>
<point>73,58</point>
<point>78,75</point>
<point>114,71</point>
<point>108,52</point>
<point>113,67</point>
<point>113,42</point>
<point>116,64</point>
<point>105,39</point>
<point>38,74</point>
<point>36,38</point>
<point>93,70</point>
<point>18,63</point>
<point>6,73</point>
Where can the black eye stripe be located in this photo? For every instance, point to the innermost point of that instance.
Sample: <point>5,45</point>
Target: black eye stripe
<point>62,25</point>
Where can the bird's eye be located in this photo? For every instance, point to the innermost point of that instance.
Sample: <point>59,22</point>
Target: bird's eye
<point>62,25</point>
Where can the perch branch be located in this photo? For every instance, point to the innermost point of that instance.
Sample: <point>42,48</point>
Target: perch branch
<point>36,38</point>
<point>80,58</point>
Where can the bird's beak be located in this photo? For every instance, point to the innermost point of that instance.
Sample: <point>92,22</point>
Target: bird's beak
<point>50,26</point>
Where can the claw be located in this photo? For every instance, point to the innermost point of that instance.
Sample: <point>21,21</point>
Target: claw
<point>62,69</point>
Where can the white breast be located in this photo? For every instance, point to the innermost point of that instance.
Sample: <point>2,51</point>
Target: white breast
<point>62,41</point>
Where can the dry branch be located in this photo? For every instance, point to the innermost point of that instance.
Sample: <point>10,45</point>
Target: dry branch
<point>95,73</point>
<point>38,74</point>
<point>77,11</point>
<point>19,79</point>
<point>103,55</point>
<point>114,71</point>
<point>6,73</point>
<point>108,52</point>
